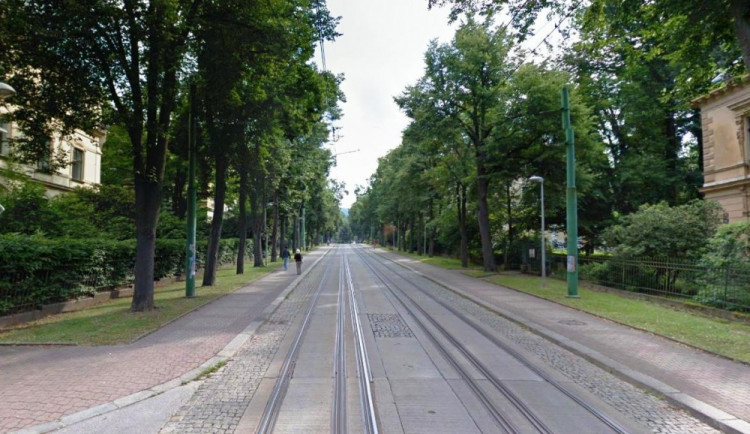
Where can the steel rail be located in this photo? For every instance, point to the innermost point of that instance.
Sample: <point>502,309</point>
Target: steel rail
<point>500,419</point>
<point>518,356</point>
<point>367,402</point>
<point>338,416</point>
<point>271,412</point>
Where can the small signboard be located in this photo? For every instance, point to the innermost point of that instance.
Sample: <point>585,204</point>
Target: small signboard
<point>532,253</point>
<point>571,264</point>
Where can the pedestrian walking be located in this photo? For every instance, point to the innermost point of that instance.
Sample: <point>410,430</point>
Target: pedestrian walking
<point>285,255</point>
<point>298,261</point>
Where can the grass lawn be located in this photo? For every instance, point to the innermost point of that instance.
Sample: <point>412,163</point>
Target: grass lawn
<point>113,323</point>
<point>725,337</point>
<point>439,261</point>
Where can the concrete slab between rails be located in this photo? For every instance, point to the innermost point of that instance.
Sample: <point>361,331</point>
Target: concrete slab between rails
<point>707,413</point>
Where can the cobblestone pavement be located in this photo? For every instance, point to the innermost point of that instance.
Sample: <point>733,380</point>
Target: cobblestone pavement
<point>222,399</point>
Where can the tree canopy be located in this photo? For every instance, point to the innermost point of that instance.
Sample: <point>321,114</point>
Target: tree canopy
<point>86,64</point>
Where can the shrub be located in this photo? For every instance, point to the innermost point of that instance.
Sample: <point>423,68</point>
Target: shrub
<point>35,270</point>
<point>663,231</point>
<point>726,280</point>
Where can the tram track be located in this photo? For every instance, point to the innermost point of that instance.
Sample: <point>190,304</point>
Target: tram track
<point>271,411</point>
<point>504,423</point>
<point>367,402</point>
<point>338,416</point>
<point>345,297</point>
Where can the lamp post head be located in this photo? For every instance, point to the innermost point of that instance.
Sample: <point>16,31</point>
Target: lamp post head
<point>536,178</point>
<point>6,91</point>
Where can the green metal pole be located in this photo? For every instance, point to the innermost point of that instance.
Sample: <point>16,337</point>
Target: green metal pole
<point>571,199</point>
<point>191,203</point>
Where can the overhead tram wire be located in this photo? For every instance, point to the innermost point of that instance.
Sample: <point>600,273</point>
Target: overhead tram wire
<point>554,29</point>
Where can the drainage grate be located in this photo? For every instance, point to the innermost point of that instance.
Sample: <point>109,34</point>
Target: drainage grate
<point>388,325</point>
<point>572,322</point>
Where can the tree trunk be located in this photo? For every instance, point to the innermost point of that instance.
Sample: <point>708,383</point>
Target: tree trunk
<point>147,205</point>
<point>698,133</point>
<point>463,249</point>
<point>275,231</point>
<point>179,201</point>
<point>672,155</point>
<point>257,226</point>
<point>242,223</point>
<point>212,257</point>
<point>295,233</point>
<point>422,239</point>
<point>511,232</point>
<point>431,243</point>
<point>282,235</point>
<point>483,185</point>
<point>740,10</point>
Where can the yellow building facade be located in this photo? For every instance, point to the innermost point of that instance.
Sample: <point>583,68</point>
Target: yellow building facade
<point>83,151</point>
<point>725,122</point>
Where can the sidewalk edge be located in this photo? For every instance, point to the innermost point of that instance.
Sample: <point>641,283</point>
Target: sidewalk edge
<point>224,354</point>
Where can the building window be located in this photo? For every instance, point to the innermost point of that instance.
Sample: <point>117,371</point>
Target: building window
<point>43,164</point>
<point>77,164</point>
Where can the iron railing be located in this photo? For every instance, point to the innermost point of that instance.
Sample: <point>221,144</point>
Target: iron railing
<point>726,287</point>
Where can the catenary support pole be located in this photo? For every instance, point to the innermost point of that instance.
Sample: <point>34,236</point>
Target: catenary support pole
<point>571,199</point>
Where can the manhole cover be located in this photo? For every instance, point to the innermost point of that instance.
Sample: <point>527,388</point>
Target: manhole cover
<point>572,322</point>
<point>389,325</point>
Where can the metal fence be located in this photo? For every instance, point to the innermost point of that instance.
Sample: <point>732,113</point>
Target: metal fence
<point>726,287</point>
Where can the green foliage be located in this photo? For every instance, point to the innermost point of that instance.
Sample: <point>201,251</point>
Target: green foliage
<point>663,231</point>
<point>35,270</point>
<point>107,211</point>
<point>729,246</point>
<point>117,160</point>
<point>27,211</point>
<point>726,280</point>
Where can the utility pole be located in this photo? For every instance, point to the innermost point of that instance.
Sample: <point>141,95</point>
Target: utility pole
<point>191,201</point>
<point>571,199</point>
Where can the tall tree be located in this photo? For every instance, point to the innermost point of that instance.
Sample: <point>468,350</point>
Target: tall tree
<point>695,26</point>
<point>68,59</point>
<point>466,80</point>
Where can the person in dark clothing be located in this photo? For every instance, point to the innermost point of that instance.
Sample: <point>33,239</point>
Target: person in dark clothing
<point>285,255</point>
<point>298,261</point>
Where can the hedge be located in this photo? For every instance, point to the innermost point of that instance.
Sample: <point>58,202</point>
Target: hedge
<point>35,270</point>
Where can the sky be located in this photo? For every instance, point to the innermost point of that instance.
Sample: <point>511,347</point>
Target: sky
<point>380,52</point>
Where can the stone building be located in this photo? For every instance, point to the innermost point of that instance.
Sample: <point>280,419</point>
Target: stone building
<point>83,151</point>
<point>725,120</point>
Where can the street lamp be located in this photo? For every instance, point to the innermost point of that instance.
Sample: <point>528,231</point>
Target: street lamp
<point>6,91</point>
<point>540,180</point>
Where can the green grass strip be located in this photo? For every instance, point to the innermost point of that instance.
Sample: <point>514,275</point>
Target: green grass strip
<point>717,335</point>
<point>113,323</point>
<point>721,336</point>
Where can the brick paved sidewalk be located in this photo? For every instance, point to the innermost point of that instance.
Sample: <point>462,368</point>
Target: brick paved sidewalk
<point>712,388</point>
<point>47,385</point>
